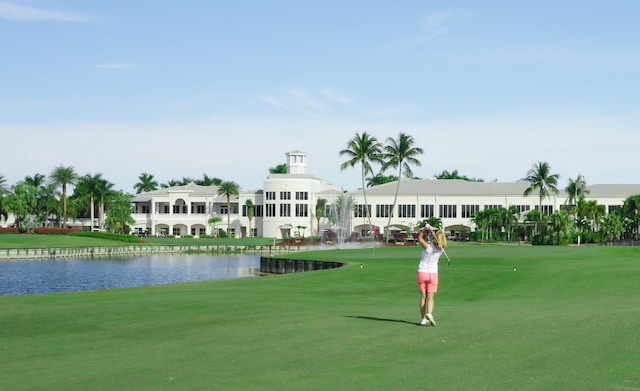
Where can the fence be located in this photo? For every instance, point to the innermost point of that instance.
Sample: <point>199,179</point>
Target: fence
<point>285,266</point>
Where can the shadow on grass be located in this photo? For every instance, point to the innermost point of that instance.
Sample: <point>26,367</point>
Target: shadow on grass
<point>381,319</point>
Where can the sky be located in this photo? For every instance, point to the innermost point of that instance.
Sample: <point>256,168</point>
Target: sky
<point>226,88</point>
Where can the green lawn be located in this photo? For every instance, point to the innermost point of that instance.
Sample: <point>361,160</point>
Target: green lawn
<point>567,319</point>
<point>57,241</point>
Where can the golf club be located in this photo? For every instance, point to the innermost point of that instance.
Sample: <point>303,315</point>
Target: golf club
<point>435,238</point>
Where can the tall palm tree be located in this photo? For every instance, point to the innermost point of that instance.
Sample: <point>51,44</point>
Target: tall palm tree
<point>4,189</point>
<point>400,153</point>
<point>227,189</point>
<point>540,178</point>
<point>63,176</point>
<point>576,189</point>
<point>146,182</point>
<point>36,180</point>
<point>364,149</point>
<point>90,186</point>
<point>321,203</point>
<point>250,213</point>
<point>120,210</point>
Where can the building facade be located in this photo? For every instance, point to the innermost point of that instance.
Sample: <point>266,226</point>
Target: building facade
<point>286,206</point>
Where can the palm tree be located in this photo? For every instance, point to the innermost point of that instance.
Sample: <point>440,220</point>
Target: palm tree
<point>380,179</point>
<point>207,181</point>
<point>104,192</point>
<point>539,178</point>
<point>3,185</point>
<point>576,189</point>
<point>36,180</point>
<point>364,149</point>
<point>228,189</point>
<point>120,210</point>
<point>213,222</point>
<point>64,176</point>
<point>250,213</point>
<point>21,202</point>
<point>146,182</point>
<point>630,209</point>
<point>279,169</point>
<point>321,203</point>
<point>89,186</point>
<point>400,153</point>
<point>454,175</point>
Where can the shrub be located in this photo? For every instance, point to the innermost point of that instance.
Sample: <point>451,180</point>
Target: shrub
<point>55,231</point>
<point>9,230</point>
<point>108,236</point>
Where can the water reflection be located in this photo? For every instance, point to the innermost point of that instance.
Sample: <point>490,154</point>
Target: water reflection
<point>67,275</point>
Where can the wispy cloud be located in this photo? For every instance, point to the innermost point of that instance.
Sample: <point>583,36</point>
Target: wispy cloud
<point>118,66</point>
<point>30,14</point>
<point>273,101</point>
<point>333,96</point>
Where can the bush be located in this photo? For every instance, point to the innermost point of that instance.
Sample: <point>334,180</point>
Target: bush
<point>56,231</point>
<point>187,236</point>
<point>9,231</point>
<point>108,236</point>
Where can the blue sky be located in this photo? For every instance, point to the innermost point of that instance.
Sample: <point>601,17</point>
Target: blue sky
<point>226,88</point>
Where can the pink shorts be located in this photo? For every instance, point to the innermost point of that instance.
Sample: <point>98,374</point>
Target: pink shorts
<point>428,282</point>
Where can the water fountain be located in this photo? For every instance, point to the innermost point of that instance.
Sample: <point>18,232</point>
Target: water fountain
<point>339,216</point>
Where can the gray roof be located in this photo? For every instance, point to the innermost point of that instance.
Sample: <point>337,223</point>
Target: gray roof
<point>459,187</point>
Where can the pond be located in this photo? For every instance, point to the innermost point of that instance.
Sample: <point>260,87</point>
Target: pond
<point>68,275</point>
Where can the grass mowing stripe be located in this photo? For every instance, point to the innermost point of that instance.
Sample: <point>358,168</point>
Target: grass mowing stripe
<point>566,319</point>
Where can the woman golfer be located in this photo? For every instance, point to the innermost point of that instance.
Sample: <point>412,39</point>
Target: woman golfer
<point>428,271</point>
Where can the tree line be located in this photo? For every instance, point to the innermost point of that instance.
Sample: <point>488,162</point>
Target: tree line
<point>36,199</point>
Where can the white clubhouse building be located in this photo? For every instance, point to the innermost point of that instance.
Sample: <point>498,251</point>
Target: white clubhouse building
<point>286,206</point>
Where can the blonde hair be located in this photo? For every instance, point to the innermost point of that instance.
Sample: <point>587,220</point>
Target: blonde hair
<point>441,239</point>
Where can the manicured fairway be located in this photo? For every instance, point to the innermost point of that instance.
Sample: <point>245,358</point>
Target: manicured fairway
<point>567,319</point>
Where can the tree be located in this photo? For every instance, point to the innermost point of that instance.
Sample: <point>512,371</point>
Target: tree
<point>363,149</point>
<point>561,225</point>
<point>630,209</point>
<point>321,203</point>
<point>400,153</point>
<point>64,176</point>
<point>380,179</point>
<point>576,189</point>
<point>213,222</point>
<point>146,182</point>
<point>228,189</point>
<point>612,226</point>
<point>539,178</point>
<point>91,187</point>
<point>120,211</point>
<point>250,213</point>
<point>279,169</point>
<point>208,181</point>
<point>21,202</point>
<point>454,175</point>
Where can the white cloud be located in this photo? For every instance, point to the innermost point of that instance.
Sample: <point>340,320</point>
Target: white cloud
<point>333,96</point>
<point>22,13</point>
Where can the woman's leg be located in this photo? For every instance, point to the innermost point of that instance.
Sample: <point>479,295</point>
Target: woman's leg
<point>423,304</point>
<point>430,302</point>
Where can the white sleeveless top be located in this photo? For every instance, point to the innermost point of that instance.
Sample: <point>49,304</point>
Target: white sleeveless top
<point>429,259</point>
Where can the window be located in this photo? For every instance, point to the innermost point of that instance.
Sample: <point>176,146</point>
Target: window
<point>359,211</point>
<point>257,211</point>
<point>448,211</point>
<point>223,210</point>
<point>198,208</point>
<point>426,211</point>
<point>285,195</point>
<point>146,209</point>
<point>492,207</point>
<point>285,210</point>
<point>523,208</point>
<point>546,209</point>
<point>407,211</point>
<point>270,195</point>
<point>302,210</point>
<point>384,210</point>
<point>234,209</point>
<point>176,231</point>
<point>302,195</point>
<point>469,210</point>
<point>613,208</point>
<point>270,210</point>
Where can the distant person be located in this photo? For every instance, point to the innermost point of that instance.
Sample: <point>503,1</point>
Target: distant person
<point>428,271</point>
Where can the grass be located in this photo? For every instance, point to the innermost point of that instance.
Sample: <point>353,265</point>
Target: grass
<point>57,241</point>
<point>568,318</point>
